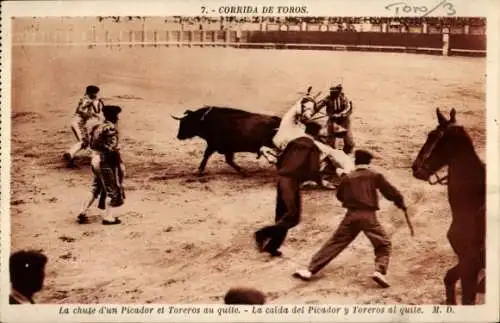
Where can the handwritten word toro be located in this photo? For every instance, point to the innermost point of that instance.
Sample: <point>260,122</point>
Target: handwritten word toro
<point>405,8</point>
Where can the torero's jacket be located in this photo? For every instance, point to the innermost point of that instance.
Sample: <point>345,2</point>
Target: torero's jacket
<point>300,160</point>
<point>89,108</point>
<point>358,189</point>
<point>104,137</point>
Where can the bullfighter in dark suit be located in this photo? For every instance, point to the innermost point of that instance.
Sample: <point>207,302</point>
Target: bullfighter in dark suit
<point>298,163</point>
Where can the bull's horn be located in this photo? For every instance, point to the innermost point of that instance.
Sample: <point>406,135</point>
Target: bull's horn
<point>177,118</point>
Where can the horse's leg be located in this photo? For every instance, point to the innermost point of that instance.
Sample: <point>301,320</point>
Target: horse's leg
<point>481,281</point>
<point>469,271</point>
<point>206,155</point>
<point>450,280</point>
<point>230,162</point>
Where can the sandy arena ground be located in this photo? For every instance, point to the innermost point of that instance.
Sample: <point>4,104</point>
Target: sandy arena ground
<point>186,239</point>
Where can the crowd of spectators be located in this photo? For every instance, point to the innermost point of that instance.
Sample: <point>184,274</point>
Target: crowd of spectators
<point>344,24</point>
<point>408,21</point>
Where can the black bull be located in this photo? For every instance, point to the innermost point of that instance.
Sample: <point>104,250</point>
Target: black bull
<point>228,131</point>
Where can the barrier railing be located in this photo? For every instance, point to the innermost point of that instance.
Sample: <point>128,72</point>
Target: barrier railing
<point>440,44</point>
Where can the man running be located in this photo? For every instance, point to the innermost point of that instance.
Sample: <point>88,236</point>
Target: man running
<point>358,194</point>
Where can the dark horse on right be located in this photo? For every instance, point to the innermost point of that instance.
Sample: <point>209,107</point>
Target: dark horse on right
<point>450,145</point>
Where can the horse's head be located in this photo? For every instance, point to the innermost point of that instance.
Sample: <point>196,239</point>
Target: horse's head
<point>440,147</point>
<point>307,103</point>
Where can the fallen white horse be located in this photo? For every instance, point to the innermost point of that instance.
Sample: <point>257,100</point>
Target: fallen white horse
<point>293,126</point>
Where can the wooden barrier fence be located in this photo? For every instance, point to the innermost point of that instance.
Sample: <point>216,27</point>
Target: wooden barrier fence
<point>432,43</point>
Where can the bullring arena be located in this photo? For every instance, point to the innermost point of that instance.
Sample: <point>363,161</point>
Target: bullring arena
<point>188,239</point>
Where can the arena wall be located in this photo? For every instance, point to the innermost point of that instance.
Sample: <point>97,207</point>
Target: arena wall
<point>466,40</point>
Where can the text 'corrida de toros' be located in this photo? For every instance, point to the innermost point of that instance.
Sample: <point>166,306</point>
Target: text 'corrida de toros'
<point>263,10</point>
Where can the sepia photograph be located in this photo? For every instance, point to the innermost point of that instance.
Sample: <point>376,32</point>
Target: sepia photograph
<point>248,159</point>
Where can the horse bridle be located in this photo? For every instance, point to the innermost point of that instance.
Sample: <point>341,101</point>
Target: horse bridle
<point>305,99</point>
<point>312,98</point>
<point>439,180</point>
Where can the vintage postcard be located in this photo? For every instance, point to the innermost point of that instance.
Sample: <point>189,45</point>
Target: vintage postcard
<point>284,161</point>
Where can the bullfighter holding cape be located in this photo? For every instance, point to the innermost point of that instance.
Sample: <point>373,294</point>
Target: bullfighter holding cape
<point>107,166</point>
